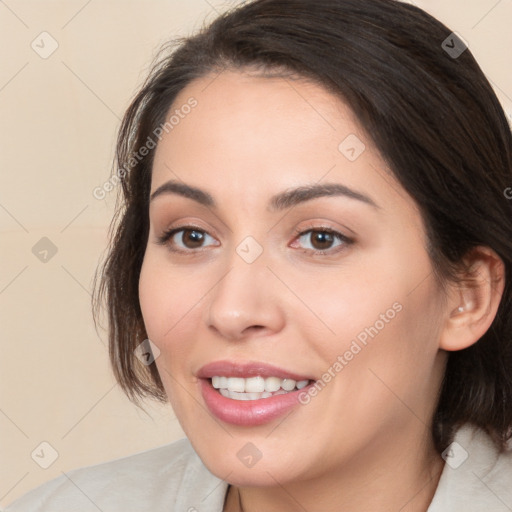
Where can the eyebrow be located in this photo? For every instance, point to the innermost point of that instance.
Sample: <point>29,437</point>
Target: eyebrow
<point>281,201</point>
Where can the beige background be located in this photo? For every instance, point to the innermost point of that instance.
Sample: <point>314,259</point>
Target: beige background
<point>59,117</point>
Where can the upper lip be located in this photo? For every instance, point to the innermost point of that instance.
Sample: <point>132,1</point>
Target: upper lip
<point>246,369</point>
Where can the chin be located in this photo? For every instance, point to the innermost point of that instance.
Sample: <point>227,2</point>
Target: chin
<point>241,463</point>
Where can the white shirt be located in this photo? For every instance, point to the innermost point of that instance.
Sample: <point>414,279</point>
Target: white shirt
<point>172,478</point>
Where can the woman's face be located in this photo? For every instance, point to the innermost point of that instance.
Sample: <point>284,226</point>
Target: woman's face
<point>334,288</point>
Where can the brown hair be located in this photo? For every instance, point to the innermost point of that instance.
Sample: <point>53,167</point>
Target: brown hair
<point>426,104</point>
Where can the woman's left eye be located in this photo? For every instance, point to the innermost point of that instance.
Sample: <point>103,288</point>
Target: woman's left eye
<point>323,239</point>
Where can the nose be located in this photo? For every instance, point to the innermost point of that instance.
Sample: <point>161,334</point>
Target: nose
<point>245,301</point>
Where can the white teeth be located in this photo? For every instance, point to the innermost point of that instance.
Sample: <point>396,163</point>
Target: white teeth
<point>236,384</point>
<point>288,384</point>
<point>255,385</point>
<point>302,383</point>
<point>254,388</point>
<point>272,383</point>
<point>220,382</point>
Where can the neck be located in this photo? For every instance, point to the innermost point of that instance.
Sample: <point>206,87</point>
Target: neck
<point>393,476</point>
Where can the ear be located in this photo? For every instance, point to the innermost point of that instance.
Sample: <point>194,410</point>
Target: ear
<point>473,302</point>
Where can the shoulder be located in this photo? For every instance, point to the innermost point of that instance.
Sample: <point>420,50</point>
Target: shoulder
<point>476,476</point>
<point>171,477</point>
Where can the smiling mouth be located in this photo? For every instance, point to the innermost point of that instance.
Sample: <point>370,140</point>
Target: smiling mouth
<point>255,388</point>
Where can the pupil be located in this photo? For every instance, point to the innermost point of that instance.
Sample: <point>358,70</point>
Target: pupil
<point>325,238</point>
<point>195,237</point>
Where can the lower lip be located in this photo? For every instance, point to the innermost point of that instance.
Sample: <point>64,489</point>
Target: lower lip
<point>249,412</point>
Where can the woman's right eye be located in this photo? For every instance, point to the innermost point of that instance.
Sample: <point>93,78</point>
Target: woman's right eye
<point>191,238</point>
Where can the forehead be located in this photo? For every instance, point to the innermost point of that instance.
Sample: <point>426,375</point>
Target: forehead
<point>259,106</point>
<point>245,118</point>
<point>253,136</point>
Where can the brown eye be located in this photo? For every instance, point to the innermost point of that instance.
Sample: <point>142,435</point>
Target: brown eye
<point>323,240</point>
<point>192,238</point>
<point>184,239</point>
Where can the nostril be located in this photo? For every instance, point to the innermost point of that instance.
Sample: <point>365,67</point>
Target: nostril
<point>254,327</point>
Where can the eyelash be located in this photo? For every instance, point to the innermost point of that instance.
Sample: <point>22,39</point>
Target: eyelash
<point>346,241</point>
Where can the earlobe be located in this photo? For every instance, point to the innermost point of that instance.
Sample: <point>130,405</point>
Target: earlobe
<point>474,300</point>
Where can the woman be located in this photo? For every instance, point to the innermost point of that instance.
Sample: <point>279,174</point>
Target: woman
<point>311,263</point>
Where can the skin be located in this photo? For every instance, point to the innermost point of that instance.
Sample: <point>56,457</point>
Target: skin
<point>363,443</point>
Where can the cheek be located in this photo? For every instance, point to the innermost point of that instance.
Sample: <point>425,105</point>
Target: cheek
<point>152,298</point>
<point>397,364</point>
<point>169,298</point>
<point>164,305</point>
<point>380,369</point>
<point>167,306</point>
<point>351,302</point>
<point>382,311</point>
